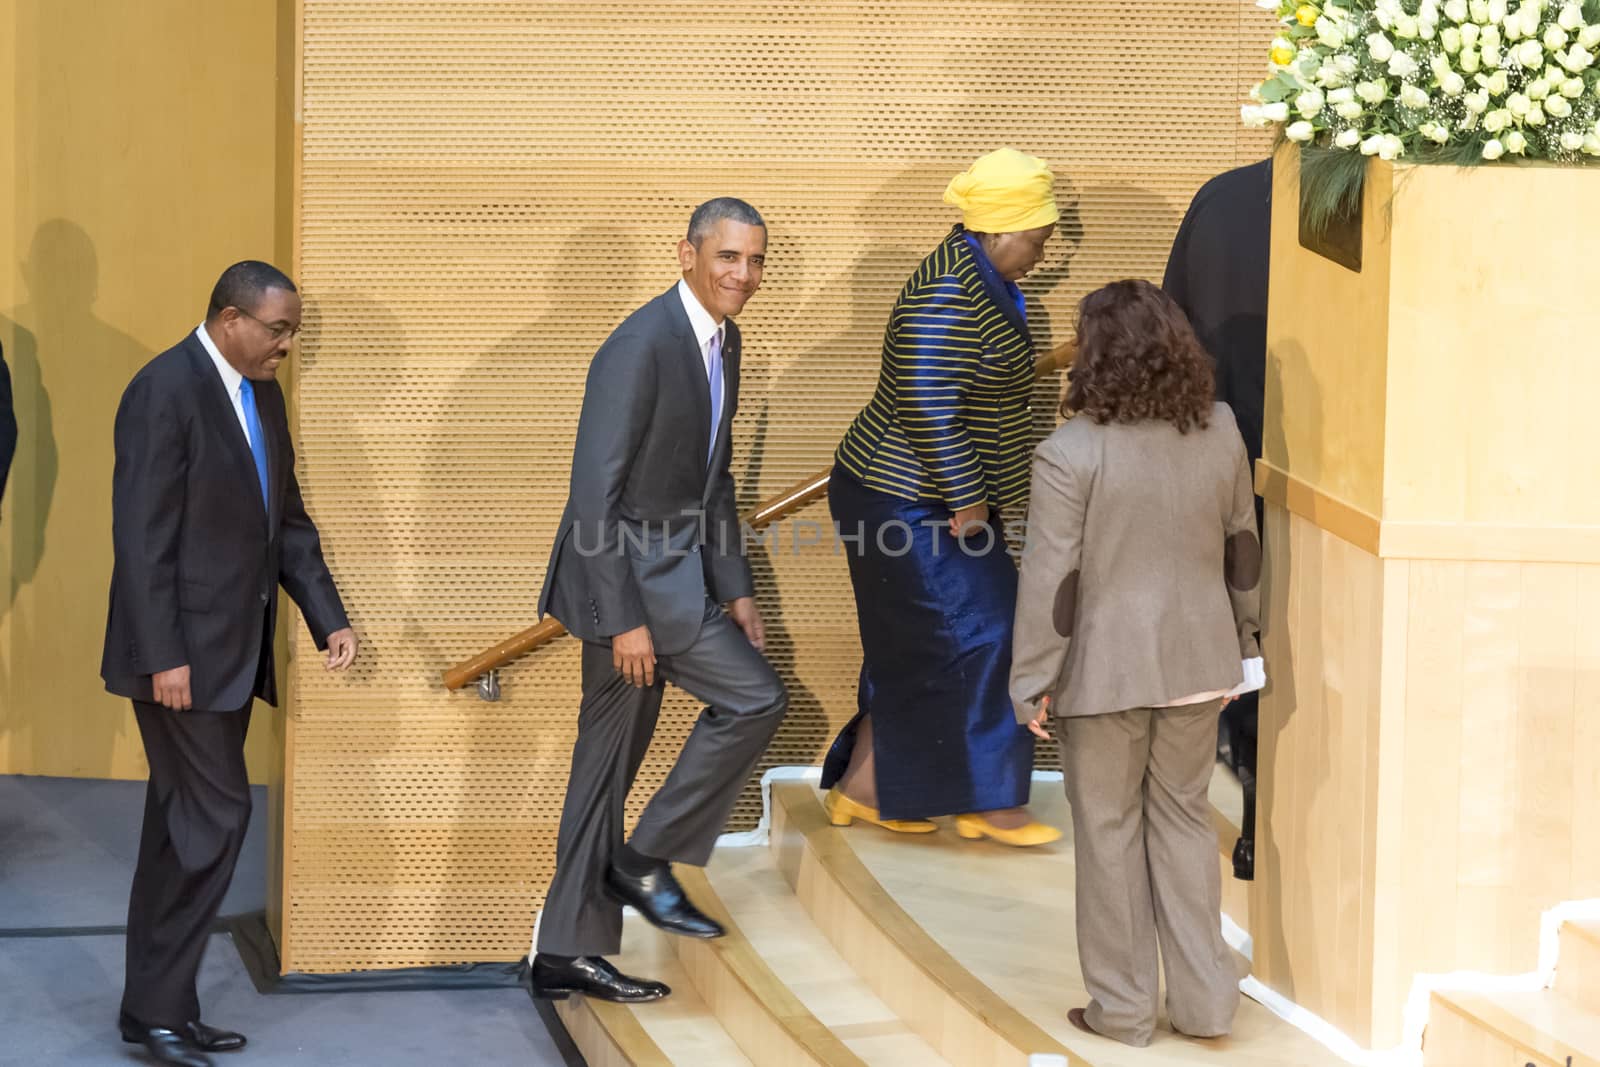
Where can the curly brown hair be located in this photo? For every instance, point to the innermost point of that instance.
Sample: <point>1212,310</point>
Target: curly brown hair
<point>1138,358</point>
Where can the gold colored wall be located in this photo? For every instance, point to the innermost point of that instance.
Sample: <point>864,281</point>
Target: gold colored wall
<point>142,143</point>
<point>486,189</point>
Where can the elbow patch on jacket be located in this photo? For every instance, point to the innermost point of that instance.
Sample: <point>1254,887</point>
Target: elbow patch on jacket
<point>1241,561</point>
<point>1066,605</point>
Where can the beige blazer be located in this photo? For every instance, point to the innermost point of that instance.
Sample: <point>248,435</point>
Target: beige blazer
<point>1141,570</point>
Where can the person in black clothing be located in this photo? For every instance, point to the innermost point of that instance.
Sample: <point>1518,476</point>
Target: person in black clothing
<point>207,522</point>
<point>1218,272</point>
<point>8,427</point>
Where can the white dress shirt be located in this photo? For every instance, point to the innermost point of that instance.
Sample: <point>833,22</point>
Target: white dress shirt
<point>231,379</point>
<point>703,325</point>
<point>1255,677</point>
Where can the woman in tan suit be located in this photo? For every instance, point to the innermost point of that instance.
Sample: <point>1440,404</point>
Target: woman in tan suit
<point>1136,621</point>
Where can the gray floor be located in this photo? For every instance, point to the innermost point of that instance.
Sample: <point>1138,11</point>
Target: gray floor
<point>66,857</point>
<point>67,847</point>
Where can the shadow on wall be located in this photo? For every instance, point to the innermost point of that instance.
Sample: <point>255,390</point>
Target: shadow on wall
<point>351,502</point>
<point>510,494</point>
<point>1279,701</point>
<point>69,368</point>
<point>464,466</point>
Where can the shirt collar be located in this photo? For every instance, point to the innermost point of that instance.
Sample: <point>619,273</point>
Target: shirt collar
<point>230,377</point>
<point>700,320</point>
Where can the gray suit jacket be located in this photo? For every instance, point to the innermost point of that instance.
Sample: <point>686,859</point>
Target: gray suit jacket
<point>650,527</point>
<point>1141,572</point>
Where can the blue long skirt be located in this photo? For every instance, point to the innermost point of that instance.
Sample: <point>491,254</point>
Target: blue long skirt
<point>935,619</point>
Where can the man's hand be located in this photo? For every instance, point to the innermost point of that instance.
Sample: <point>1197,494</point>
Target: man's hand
<point>748,617</point>
<point>342,645</point>
<point>171,688</point>
<point>965,520</point>
<point>633,654</point>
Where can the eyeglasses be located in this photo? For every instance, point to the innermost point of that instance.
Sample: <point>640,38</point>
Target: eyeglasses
<point>278,332</point>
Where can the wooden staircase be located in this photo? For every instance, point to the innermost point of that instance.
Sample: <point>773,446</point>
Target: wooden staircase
<point>856,947</point>
<point>1556,1027</point>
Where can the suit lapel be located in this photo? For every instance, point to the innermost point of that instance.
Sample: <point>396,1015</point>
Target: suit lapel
<point>216,408</point>
<point>691,367</point>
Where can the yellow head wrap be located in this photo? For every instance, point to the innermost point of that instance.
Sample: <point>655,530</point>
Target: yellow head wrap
<point>1004,192</point>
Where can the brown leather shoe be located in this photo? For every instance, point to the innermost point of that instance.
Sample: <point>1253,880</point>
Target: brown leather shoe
<point>1078,1019</point>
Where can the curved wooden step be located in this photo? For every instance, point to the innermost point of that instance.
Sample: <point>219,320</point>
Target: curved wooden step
<point>757,1010</point>
<point>682,1029</point>
<point>964,1020</point>
<point>1511,1029</point>
<point>1005,919</point>
<point>754,892</point>
<point>609,1035</point>
<point>1578,966</point>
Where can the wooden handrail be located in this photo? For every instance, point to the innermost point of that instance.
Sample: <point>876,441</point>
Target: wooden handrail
<point>786,503</point>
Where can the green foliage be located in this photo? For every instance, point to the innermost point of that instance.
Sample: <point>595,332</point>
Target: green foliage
<point>1331,181</point>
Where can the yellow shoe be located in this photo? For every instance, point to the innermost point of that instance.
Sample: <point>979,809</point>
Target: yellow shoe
<point>842,811</point>
<point>973,827</point>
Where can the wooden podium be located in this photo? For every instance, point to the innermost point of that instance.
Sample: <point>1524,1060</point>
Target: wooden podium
<point>1430,740</point>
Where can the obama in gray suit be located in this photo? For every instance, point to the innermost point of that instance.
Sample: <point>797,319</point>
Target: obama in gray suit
<point>648,570</point>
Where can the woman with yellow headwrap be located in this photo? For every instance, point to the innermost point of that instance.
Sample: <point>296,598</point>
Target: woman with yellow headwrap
<point>917,487</point>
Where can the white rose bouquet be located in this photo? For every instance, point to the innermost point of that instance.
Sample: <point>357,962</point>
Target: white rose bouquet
<point>1437,81</point>
<point>1440,80</point>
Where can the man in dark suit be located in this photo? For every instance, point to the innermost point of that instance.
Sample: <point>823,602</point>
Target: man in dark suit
<point>207,522</point>
<point>648,552</point>
<point>8,428</point>
<point>1218,273</point>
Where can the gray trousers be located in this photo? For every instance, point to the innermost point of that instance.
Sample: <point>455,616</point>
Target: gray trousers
<point>1147,870</point>
<point>746,701</point>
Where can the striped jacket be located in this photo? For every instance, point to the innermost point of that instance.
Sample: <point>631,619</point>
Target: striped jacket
<point>949,420</point>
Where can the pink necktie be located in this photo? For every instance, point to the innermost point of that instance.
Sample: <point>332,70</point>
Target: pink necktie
<point>714,372</point>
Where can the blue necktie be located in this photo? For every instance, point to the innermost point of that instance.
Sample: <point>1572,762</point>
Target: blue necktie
<point>252,425</point>
<point>714,372</point>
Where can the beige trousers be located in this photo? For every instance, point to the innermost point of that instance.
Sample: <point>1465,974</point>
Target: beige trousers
<point>1147,870</point>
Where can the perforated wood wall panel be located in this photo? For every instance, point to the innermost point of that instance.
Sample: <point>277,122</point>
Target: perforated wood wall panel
<point>486,189</point>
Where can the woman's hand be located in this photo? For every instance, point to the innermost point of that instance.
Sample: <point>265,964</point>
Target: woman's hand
<point>1036,727</point>
<point>966,519</point>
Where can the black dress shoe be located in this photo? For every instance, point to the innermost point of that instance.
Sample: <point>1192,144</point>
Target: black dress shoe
<point>593,977</point>
<point>164,1046</point>
<point>1244,859</point>
<point>660,899</point>
<point>210,1039</point>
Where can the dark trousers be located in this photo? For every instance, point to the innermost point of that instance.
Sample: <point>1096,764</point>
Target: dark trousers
<point>746,701</point>
<point>196,810</point>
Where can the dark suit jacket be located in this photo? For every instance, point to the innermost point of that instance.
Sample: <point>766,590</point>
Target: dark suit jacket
<point>650,527</point>
<point>198,556</point>
<point>1217,273</point>
<point>8,426</point>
